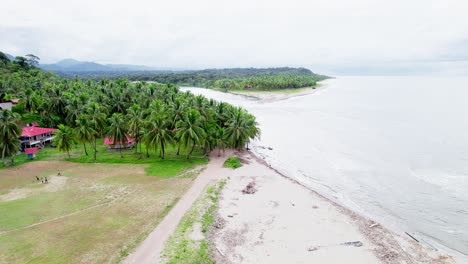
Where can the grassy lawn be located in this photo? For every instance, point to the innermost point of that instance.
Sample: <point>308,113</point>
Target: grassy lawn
<point>189,244</point>
<point>96,212</point>
<point>93,213</point>
<point>171,165</point>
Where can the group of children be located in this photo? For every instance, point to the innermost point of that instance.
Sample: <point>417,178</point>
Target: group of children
<point>43,180</point>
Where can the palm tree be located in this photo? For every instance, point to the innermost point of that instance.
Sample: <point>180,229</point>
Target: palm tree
<point>190,131</point>
<point>157,133</point>
<point>219,140</point>
<point>9,133</point>
<point>85,132</point>
<point>97,114</point>
<point>64,138</point>
<point>117,131</point>
<point>29,100</point>
<point>135,118</point>
<point>241,128</point>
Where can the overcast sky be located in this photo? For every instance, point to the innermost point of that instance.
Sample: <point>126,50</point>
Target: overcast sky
<point>354,36</point>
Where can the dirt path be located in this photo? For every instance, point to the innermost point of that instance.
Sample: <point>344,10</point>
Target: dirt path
<point>150,249</point>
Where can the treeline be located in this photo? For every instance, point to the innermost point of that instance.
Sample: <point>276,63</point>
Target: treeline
<point>154,114</point>
<point>228,79</point>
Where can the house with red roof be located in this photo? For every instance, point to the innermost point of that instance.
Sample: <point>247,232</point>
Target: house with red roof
<point>34,136</point>
<point>118,145</point>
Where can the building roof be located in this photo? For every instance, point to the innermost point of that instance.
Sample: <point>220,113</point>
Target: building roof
<point>6,106</point>
<point>31,150</point>
<point>34,131</point>
<point>110,141</point>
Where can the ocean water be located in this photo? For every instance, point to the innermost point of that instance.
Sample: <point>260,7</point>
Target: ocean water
<point>392,148</point>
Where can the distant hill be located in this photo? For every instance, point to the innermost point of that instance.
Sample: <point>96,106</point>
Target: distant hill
<point>75,66</point>
<point>11,57</point>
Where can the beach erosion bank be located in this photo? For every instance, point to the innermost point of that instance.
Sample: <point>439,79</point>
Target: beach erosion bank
<point>284,222</point>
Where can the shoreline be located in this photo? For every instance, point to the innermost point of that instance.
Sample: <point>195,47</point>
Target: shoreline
<point>277,95</point>
<point>386,245</point>
<point>402,234</point>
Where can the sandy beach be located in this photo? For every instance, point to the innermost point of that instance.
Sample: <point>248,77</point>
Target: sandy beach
<point>273,96</point>
<point>284,222</point>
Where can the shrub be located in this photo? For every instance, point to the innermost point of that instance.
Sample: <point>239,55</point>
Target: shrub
<point>232,162</point>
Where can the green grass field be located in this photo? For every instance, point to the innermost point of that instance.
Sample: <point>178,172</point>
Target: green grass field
<point>171,165</point>
<point>96,212</point>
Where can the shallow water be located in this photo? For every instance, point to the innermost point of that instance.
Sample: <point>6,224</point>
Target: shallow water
<point>392,148</point>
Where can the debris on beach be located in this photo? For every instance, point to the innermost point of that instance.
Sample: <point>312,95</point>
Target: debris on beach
<point>250,188</point>
<point>315,207</point>
<point>312,248</point>
<point>292,203</point>
<point>353,243</point>
<point>243,161</point>
<point>219,223</point>
<point>270,148</point>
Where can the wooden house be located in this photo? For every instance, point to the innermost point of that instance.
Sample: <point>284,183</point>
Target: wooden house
<point>33,136</point>
<point>118,145</point>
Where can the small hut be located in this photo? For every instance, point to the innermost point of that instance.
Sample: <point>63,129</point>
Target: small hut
<point>118,145</point>
<point>31,152</point>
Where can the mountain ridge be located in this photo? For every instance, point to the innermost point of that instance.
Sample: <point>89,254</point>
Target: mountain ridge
<point>72,65</point>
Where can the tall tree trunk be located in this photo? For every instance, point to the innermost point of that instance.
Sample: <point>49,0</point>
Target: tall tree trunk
<point>140,150</point>
<point>137,140</point>
<point>85,150</point>
<point>120,150</point>
<point>3,155</point>
<point>190,153</point>
<point>219,151</point>
<point>68,152</point>
<point>162,150</point>
<point>147,152</point>
<point>95,149</point>
<point>178,150</point>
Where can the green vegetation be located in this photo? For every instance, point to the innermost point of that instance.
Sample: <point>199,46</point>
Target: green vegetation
<point>184,246</point>
<point>225,79</point>
<point>9,142</point>
<point>232,162</point>
<point>103,211</point>
<point>165,168</point>
<point>157,115</point>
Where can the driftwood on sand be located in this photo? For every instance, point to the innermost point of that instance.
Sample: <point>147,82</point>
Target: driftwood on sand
<point>250,188</point>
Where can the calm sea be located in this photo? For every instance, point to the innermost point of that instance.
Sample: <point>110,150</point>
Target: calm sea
<point>392,148</point>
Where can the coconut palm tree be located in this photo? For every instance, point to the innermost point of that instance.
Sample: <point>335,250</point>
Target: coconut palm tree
<point>157,133</point>
<point>64,138</point>
<point>9,133</point>
<point>85,132</point>
<point>190,130</point>
<point>242,127</point>
<point>117,131</point>
<point>135,118</point>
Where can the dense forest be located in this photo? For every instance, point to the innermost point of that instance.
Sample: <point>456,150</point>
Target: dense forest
<point>154,114</point>
<point>225,79</point>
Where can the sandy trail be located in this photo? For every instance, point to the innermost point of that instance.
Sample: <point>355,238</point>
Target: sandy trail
<point>149,250</point>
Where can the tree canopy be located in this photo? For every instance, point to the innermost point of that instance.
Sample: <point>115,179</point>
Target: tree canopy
<point>152,113</point>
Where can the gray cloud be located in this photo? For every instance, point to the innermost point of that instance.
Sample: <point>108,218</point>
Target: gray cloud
<point>331,35</point>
